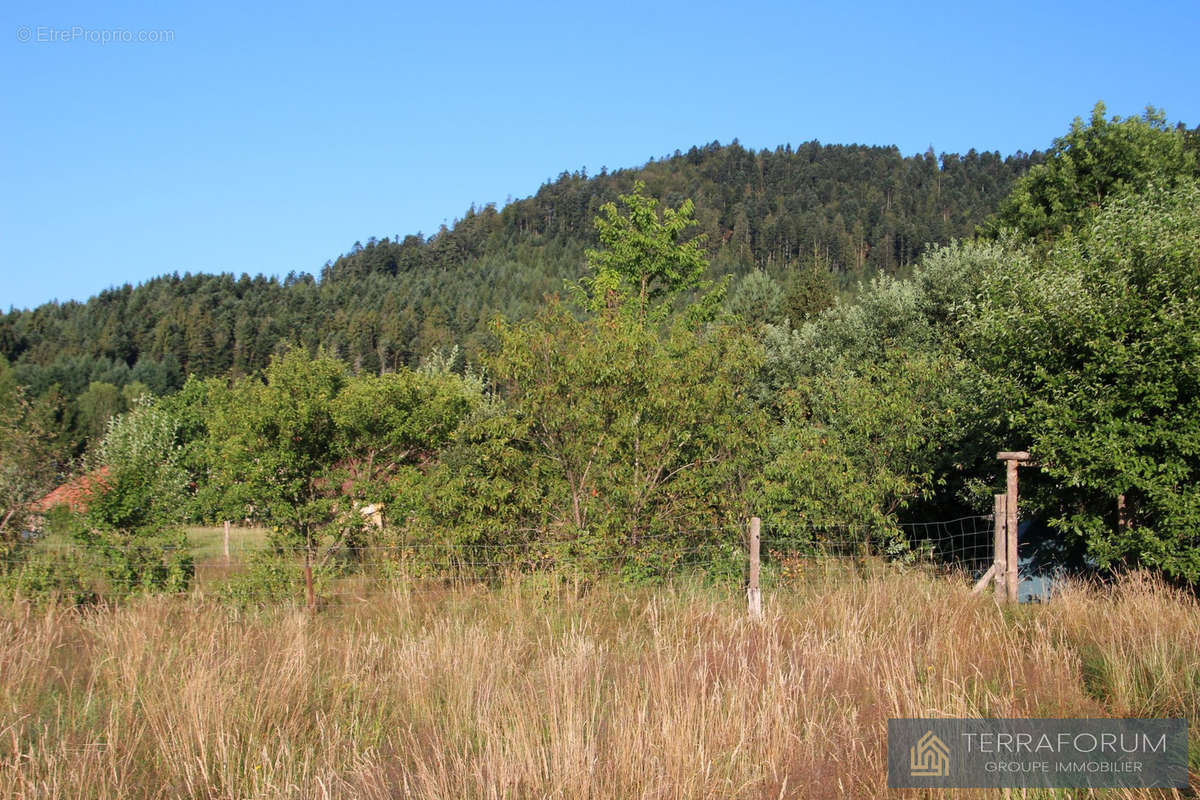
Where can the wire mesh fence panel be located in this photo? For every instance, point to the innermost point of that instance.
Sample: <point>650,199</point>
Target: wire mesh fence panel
<point>963,544</point>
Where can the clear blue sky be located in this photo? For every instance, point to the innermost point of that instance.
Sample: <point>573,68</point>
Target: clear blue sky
<point>269,140</point>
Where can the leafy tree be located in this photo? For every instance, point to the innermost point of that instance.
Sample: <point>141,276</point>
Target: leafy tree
<point>633,431</point>
<point>807,292</point>
<point>857,446</point>
<point>281,443</point>
<point>489,484</point>
<point>205,408</point>
<point>391,421</point>
<point>135,512</point>
<point>100,403</point>
<point>757,298</point>
<point>1095,352</point>
<point>643,256</point>
<point>26,466</point>
<point>1093,162</point>
<point>638,426</point>
<point>896,358</point>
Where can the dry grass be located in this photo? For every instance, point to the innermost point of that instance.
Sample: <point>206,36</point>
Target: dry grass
<point>521,692</point>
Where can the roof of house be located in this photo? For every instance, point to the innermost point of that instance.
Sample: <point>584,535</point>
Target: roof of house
<point>74,493</point>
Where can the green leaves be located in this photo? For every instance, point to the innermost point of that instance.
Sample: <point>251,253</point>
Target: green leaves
<point>133,518</point>
<point>1091,164</point>
<point>144,484</point>
<point>631,428</point>
<point>858,445</point>
<point>1096,351</point>
<point>25,465</point>
<point>646,258</point>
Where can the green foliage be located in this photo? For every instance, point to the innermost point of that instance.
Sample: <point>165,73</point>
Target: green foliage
<point>1093,162</point>
<point>809,291</point>
<point>857,446</point>
<point>923,314</point>
<point>632,430</point>
<point>489,482</point>
<point>267,580</point>
<point>143,485</point>
<point>33,574</point>
<point>280,439</point>
<point>134,516</point>
<point>643,256</point>
<point>757,298</point>
<point>26,470</point>
<point>201,405</point>
<point>388,421</point>
<point>1095,352</point>
<point>100,403</point>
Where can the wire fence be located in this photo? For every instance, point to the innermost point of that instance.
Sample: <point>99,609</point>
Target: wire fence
<point>963,545</point>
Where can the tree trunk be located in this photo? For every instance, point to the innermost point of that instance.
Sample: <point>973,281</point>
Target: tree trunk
<point>308,580</point>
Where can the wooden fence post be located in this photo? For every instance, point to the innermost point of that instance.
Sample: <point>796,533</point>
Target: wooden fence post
<point>753,593</point>
<point>226,541</point>
<point>1011,459</point>
<point>1000,556</point>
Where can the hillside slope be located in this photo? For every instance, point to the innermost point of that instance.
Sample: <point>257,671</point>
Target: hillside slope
<point>853,210</point>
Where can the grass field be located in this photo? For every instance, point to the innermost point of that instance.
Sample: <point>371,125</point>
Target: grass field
<point>208,543</point>
<point>532,691</point>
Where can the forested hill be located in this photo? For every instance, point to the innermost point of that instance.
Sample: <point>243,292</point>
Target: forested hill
<point>853,210</point>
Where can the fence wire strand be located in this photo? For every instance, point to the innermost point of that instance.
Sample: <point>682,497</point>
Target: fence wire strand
<point>964,543</point>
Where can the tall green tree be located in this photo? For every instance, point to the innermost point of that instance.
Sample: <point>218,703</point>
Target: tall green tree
<point>282,444</point>
<point>646,430</point>
<point>1091,163</point>
<point>135,512</point>
<point>26,465</point>
<point>639,424</point>
<point>1094,351</point>
<point>807,292</point>
<point>644,255</point>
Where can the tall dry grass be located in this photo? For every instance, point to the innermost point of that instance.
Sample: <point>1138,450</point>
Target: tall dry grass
<point>524,692</point>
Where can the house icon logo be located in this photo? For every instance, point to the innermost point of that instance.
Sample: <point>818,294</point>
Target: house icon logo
<point>929,757</point>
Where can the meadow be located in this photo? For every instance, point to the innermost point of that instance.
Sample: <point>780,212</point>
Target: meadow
<point>532,688</point>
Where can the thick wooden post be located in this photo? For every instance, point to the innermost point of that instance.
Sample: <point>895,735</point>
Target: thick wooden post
<point>226,541</point>
<point>1011,459</point>
<point>1010,524</point>
<point>753,593</point>
<point>1000,549</point>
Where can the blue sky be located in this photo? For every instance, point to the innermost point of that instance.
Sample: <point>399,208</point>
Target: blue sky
<point>270,139</point>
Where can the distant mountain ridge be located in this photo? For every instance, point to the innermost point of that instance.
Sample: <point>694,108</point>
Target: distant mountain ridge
<point>853,210</point>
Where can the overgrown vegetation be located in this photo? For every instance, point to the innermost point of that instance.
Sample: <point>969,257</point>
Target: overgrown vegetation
<point>526,551</point>
<point>537,691</point>
<point>828,214</point>
<point>632,427</point>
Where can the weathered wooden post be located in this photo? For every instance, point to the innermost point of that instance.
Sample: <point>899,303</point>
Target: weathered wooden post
<point>997,572</point>
<point>226,542</point>
<point>1012,459</point>
<point>753,593</point>
<point>1000,549</point>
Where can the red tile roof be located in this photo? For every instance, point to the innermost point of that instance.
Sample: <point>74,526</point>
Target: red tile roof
<point>74,493</point>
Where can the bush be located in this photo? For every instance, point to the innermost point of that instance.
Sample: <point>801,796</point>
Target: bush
<point>38,575</point>
<point>269,579</point>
